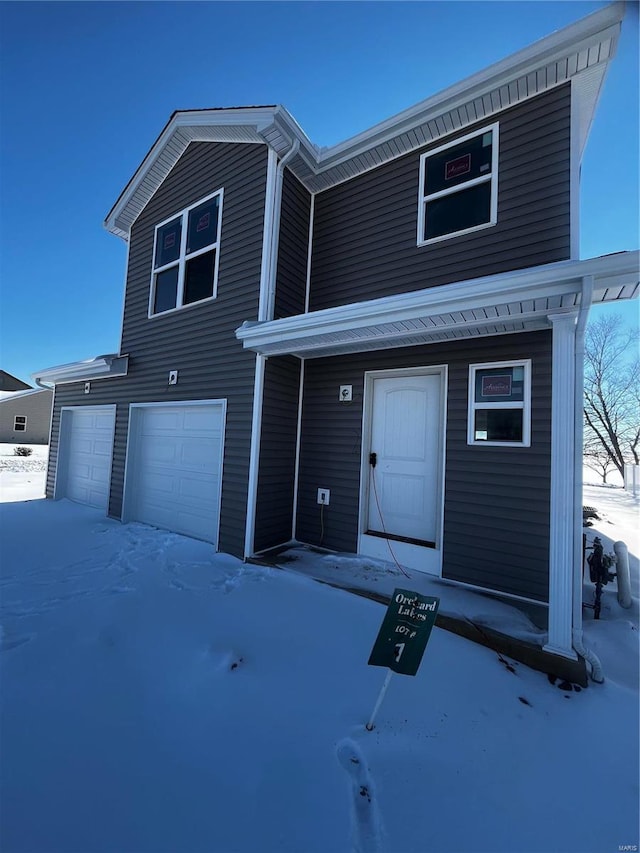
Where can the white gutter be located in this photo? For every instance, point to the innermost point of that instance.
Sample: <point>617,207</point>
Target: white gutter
<point>557,279</point>
<point>95,368</point>
<point>576,631</point>
<point>275,234</point>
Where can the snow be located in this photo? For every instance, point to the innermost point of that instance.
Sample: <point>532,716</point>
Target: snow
<point>160,697</point>
<point>22,478</point>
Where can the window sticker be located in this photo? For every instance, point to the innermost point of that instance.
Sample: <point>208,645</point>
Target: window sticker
<point>496,386</point>
<point>457,167</point>
<point>203,222</point>
<point>169,240</point>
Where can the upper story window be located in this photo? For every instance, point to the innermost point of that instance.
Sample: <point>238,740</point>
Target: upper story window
<point>459,187</point>
<point>500,403</point>
<point>185,257</point>
<point>20,423</point>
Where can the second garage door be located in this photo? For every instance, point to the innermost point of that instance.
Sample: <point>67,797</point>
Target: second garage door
<point>174,467</point>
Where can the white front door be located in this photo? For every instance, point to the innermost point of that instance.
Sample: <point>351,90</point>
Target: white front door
<point>402,469</point>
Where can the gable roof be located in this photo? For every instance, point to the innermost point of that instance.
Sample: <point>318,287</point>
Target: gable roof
<point>11,383</point>
<point>579,53</point>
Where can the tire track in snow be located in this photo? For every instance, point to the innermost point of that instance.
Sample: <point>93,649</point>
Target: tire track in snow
<point>366,826</point>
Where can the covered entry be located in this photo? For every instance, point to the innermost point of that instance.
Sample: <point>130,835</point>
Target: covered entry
<point>174,466</point>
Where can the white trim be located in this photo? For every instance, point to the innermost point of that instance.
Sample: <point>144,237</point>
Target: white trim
<point>574,175</point>
<point>612,274</point>
<point>296,473</point>
<point>110,407</point>
<point>183,258</point>
<point>254,456</point>
<point>424,199</point>
<point>267,234</point>
<point>132,436</point>
<point>23,425</point>
<point>102,367</point>
<point>525,405</point>
<point>307,291</point>
<point>124,288</point>
<point>489,590</point>
<point>375,546</point>
<point>561,520</point>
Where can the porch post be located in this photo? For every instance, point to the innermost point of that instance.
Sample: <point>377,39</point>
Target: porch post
<point>561,569</point>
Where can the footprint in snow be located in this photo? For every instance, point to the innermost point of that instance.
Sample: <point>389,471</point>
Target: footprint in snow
<point>366,826</point>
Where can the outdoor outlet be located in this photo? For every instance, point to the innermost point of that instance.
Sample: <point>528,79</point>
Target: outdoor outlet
<point>173,377</point>
<point>87,387</point>
<point>323,496</point>
<point>346,393</point>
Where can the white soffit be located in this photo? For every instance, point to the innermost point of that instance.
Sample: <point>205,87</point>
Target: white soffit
<point>579,53</point>
<point>493,305</point>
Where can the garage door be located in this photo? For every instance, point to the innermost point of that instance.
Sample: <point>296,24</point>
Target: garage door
<point>174,467</point>
<point>86,446</point>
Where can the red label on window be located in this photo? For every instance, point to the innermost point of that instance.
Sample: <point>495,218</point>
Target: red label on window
<point>457,167</point>
<point>496,386</point>
<point>203,222</point>
<point>169,240</point>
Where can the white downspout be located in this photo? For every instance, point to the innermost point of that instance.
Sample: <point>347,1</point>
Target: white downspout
<point>275,234</point>
<point>576,633</point>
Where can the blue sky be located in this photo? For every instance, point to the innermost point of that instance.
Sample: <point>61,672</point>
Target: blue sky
<point>87,87</point>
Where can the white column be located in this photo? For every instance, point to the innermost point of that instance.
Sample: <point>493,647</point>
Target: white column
<point>562,494</point>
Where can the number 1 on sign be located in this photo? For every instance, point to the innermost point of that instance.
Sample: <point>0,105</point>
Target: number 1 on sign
<point>398,651</point>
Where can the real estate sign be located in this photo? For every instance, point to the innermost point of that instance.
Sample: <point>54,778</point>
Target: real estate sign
<point>405,631</point>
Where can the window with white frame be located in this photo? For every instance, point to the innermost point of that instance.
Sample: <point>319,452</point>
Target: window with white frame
<point>459,187</point>
<point>185,256</point>
<point>500,403</point>
<point>20,423</point>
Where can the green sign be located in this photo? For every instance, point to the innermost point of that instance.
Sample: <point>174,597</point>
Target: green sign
<point>404,632</point>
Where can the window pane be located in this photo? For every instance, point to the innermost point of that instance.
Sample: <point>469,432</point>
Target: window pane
<point>460,163</point>
<point>500,383</point>
<point>498,425</point>
<point>166,290</point>
<point>168,242</point>
<point>464,209</point>
<point>203,226</point>
<point>198,280</point>
<point>21,419</point>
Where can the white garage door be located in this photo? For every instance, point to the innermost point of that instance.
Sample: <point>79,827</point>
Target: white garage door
<point>86,445</point>
<point>174,467</point>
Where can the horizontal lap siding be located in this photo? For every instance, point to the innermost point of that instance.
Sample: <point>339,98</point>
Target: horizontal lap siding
<point>199,341</point>
<point>274,506</point>
<point>365,230</point>
<point>496,514</point>
<point>291,276</point>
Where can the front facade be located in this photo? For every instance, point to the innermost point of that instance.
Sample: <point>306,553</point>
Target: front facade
<point>373,348</point>
<point>25,416</point>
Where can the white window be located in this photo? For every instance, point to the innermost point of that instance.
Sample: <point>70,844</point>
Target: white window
<point>20,423</point>
<point>185,257</point>
<point>459,187</point>
<point>500,403</point>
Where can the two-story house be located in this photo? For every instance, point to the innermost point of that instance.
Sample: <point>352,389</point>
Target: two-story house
<point>396,321</point>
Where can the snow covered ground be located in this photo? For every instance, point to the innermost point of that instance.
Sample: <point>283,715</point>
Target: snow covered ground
<point>159,697</point>
<point>22,478</point>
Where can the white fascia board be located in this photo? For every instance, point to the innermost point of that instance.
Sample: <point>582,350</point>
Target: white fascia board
<point>604,23</point>
<point>95,368</point>
<point>564,277</point>
<point>257,117</point>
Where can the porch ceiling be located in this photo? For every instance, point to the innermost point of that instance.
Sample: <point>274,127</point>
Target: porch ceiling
<point>494,305</point>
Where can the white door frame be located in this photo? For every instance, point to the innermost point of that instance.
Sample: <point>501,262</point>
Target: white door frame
<point>132,434</point>
<point>413,555</point>
<point>63,445</point>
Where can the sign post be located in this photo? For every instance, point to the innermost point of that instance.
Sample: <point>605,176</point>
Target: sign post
<point>403,637</point>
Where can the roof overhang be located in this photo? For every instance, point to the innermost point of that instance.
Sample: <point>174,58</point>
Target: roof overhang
<point>579,53</point>
<point>101,367</point>
<point>493,305</point>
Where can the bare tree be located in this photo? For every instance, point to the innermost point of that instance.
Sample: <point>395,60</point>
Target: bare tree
<point>612,394</point>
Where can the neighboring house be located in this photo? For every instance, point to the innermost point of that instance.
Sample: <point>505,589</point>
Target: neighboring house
<point>11,383</point>
<point>396,319</point>
<point>25,416</point>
